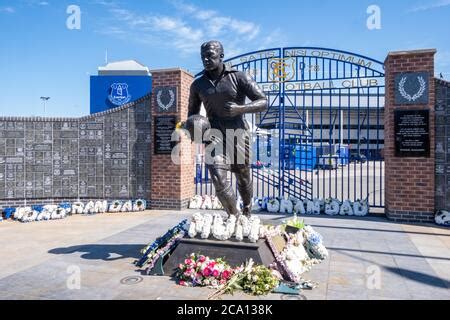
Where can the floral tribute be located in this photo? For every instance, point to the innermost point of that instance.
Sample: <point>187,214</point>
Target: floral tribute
<point>156,249</point>
<point>199,270</point>
<point>329,206</point>
<point>303,250</point>
<point>297,249</point>
<point>206,225</point>
<point>252,279</point>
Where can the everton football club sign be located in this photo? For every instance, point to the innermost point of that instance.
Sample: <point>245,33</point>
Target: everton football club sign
<point>119,94</point>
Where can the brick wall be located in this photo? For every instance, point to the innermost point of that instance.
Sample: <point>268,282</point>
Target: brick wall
<point>173,184</point>
<point>409,183</point>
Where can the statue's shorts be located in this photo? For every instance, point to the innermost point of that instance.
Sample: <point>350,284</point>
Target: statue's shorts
<point>237,159</point>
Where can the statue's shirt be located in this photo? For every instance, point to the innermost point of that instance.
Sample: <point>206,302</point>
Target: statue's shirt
<point>231,86</point>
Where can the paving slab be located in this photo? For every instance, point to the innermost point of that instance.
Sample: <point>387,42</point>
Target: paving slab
<point>413,261</point>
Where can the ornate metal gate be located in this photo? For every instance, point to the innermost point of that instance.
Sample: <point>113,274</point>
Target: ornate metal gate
<point>323,134</point>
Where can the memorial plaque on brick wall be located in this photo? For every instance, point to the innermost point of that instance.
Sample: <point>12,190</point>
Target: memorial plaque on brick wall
<point>164,127</point>
<point>412,133</point>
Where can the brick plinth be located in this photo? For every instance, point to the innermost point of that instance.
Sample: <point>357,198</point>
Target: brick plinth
<point>409,186</point>
<point>172,184</point>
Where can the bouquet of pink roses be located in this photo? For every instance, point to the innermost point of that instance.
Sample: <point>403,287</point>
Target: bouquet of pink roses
<point>199,270</point>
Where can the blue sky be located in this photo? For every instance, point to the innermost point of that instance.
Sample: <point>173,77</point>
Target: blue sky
<point>40,56</point>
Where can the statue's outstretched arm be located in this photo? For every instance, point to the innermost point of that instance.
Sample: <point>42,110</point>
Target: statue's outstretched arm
<point>251,89</point>
<point>255,94</point>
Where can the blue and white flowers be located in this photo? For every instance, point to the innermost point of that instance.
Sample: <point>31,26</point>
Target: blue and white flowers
<point>314,244</point>
<point>52,212</point>
<point>442,218</point>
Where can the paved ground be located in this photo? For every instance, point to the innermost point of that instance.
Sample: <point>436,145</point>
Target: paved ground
<point>41,260</point>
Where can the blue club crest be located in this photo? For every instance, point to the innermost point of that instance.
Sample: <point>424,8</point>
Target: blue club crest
<point>119,94</point>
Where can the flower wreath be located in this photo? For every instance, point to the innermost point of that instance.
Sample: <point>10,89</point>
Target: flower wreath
<point>161,251</point>
<point>159,242</point>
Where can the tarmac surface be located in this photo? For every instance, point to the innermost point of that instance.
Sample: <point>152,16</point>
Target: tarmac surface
<point>91,257</point>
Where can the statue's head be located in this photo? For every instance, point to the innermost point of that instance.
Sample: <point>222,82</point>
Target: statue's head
<point>212,55</point>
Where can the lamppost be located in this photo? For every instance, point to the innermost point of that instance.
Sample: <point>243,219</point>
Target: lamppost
<point>44,99</point>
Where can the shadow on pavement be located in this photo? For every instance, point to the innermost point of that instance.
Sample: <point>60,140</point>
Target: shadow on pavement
<point>404,273</point>
<point>106,252</point>
<point>420,277</point>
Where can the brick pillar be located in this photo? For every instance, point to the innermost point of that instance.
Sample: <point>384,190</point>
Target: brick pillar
<point>172,184</point>
<point>409,183</point>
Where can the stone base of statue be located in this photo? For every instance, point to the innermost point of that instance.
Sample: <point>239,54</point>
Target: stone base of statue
<point>234,252</point>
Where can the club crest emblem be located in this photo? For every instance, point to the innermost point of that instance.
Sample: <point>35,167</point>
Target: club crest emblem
<point>119,94</point>
<point>281,69</point>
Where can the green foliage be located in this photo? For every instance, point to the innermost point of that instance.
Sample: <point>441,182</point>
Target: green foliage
<point>259,281</point>
<point>296,223</point>
<point>250,278</point>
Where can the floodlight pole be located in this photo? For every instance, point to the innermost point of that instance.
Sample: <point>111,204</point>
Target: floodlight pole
<point>44,99</point>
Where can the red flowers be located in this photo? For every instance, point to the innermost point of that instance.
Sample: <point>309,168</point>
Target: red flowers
<point>207,272</point>
<point>226,274</point>
<point>199,270</point>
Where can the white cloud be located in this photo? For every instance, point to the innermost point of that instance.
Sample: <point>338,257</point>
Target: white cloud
<point>7,9</point>
<point>34,3</point>
<point>112,30</point>
<point>122,14</point>
<point>184,37</point>
<point>185,29</point>
<point>275,38</point>
<point>434,5</point>
<point>151,29</point>
<point>216,24</point>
